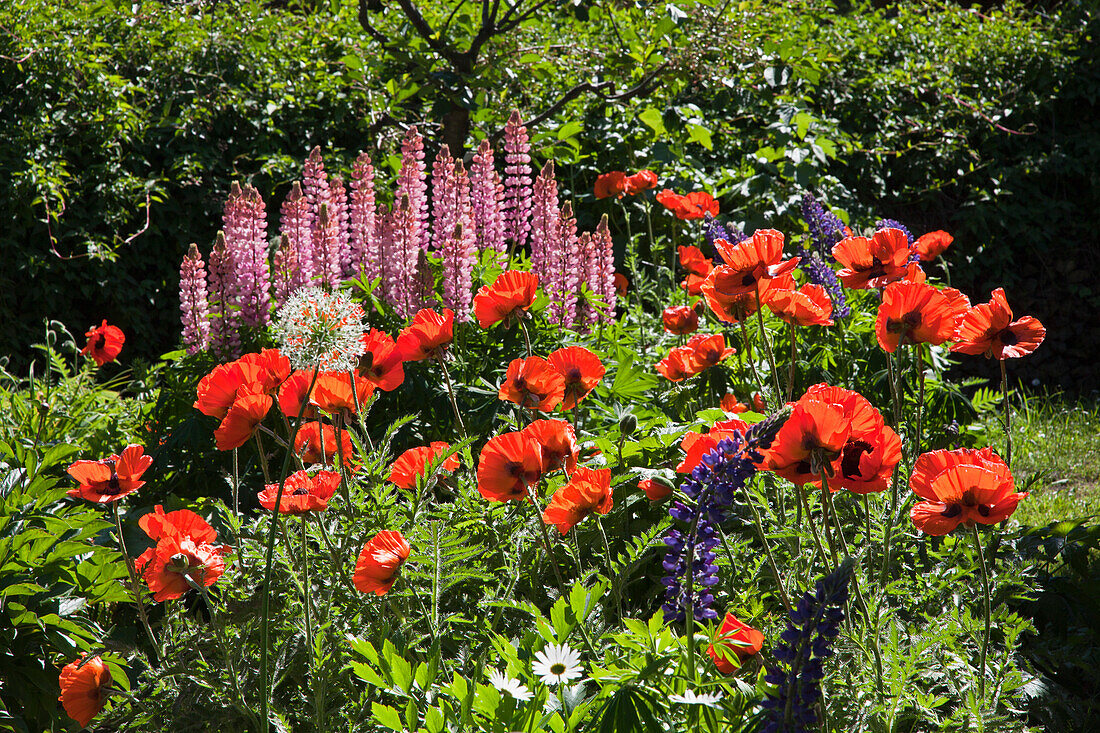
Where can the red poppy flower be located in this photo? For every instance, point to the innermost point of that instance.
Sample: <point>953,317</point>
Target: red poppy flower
<point>736,640</point>
<point>622,285</point>
<point>693,284</point>
<point>730,403</point>
<point>302,492</point>
<point>867,462</point>
<point>694,205</point>
<point>874,262</point>
<point>961,487</point>
<point>273,368</point>
<point>693,261</point>
<point>640,181</point>
<point>914,273</point>
<point>316,443</point>
<point>988,329</point>
<point>533,383</point>
<point>810,305</point>
<point>411,465</point>
<point>84,684</point>
<point>180,523</point>
<point>861,416</point>
<point>588,490</point>
<point>218,389</point>
<point>751,263</point>
<point>508,464</point>
<point>680,319</point>
<point>724,297</point>
<point>913,313</point>
<point>610,184</point>
<point>332,392</point>
<point>176,556</point>
<point>378,563</point>
<point>510,295</point>
<point>581,371</point>
<point>696,445</point>
<point>558,444</point>
<point>104,343</point>
<point>930,246</point>
<point>381,361</point>
<point>247,412</point>
<point>292,394</point>
<point>427,335</point>
<point>678,365</point>
<point>810,441</point>
<point>111,478</point>
<point>708,350</point>
<point>655,490</point>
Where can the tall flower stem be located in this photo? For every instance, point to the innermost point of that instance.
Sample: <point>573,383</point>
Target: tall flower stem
<point>319,693</point>
<point>1008,415</point>
<point>920,398</point>
<point>767,345</point>
<point>335,557</point>
<point>135,589</point>
<point>546,541</point>
<point>826,507</point>
<point>236,505</point>
<point>752,362</point>
<point>895,390</point>
<point>451,394</point>
<point>810,521</point>
<point>526,336</point>
<point>223,642</point>
<point>611,576</point>
<point>794,362</point>
<point>986,598</point>
<point>768,552</point>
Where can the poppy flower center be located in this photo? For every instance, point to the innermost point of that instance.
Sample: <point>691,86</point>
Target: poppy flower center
<point>953,510</point>
<point>299,492</point>
<point>1008,337</point>
<point>573,375</point>
<point>100,341</point>
<point>112,486</point>
<point>853,452</point>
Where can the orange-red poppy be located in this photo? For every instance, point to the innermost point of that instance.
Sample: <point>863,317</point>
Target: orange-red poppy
<point>696,445</point>
<point>912,313</point>
<point>378,563</point>
<point>678,365</point>
<point>316,443</point>
<point>867,462</point>
<point>180,523</point>
<point>680,319</point>
<point>218,389</point>
<point>273,368</point>
<point>84,688</point>
<point>861,416</point>
<point>510,295</point>
<point>963,486</point>
<point>730,403</point>
<point>693,284</point>
<point>247,412</point>
<point>708,350</point>
<point>332,392</point>
<point>533,383</point>
<point>508,464</point>
<point>588,491</point>
<point>292,395</point>
<point>736,640</point>
<point>622,285</point>
<point>723,293</point>
<point>753,262</point>
<point>693,261</point>
<point>610,184</point>
<point>988,329</point>
<point>427,335</point>
<point>640,181</point>
<point>104,343</point>
<point>694,205</point>
<point>809,305</point>
<point>581,371</point>
<point>810,441</point>
<point>874,262</point>
<point>411,465</point>
<point>175,558</point>
<point>381,361</point>
<point>558,443</point>
<point>302,492</point>
<point>655,490</point>
<point>111,478</point>
<point>931,245</point>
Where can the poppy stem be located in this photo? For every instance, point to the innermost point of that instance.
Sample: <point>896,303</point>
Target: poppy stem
<point>611,576</point>
<point>1008,414</point>
<point>236,505</point>
<point>134,587</point>
<point>335,556</point>
<point>263,466</point>
<point>767,345</point>
<point>451,394</point>
<point>526,336</point>
<point>794,362</point>
<point>767,550</point>
<point>546,541</point>
<point>920,399</point>
<point>986,594</point>
<point>895,391</point>
<point>318,693</point>
<point>219,632</point>
<point>810,521</point>
<point>826,505</point>
<point>752,361</point>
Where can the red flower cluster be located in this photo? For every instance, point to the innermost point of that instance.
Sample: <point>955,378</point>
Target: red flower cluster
<point>701,352</point>
<point>413,464</point>
<point>619,184</point>
<point>808,305</point>
<point>874,262</point>
<point>103,343</point>
<point>239,394</point>
<point>734,290</point>
<point>109,479</point>
<point>680,319</point>
<point>564,378</point>
<point>988,329</point>
<point>696,266</point>
<point>427,336</point>
<point>381,361</point>
<point>302,492</point>
<point>510,463</point>
<point>507,299</point>
<point>588,491</point>
<point>378,563</point>
<point>961,487</point>
<point>184,551</point>
<point>913,313</point>
<point>694,205</point>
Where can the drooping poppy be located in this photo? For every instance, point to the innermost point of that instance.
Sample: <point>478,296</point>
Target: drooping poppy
<point>588,491</point>
<point>316,443</point>
<point>809,305</point>
<point>963,486</point>
<point>810,441</point>
<point>244,416</point>
<point>680,319</point>
<point>931,245</point>
<point>736,640</point>
<point>109,479</point>
<point>84,686</point>
<point>558,443</point>
<point>381,361</point>
<point>694,205</point>
<point>581,371</point>
<point>411,465</point>
<point>693,261</point>
<point>655,490</point>
<point>708,350</point>
<point>610,184</point>
<point>180,523</point>
<point>641,181</point>
<point>177,558</point>
<point>678,365</point>
<point>378,563</point>
<point>752,263</point>
<point>533,383</point>
<point>622,285</point>
<point>874,262</point>
<point>332,393</point>
<point>302,492</point>
<point>508,464</point>
<point>507,299</point>
<point>272,368</point>
<point>292,396</point>
<point>988,329</point>
<point>104,343</point>
<point>912,313</point>
<point>427,336</point>
<point>730,403</point>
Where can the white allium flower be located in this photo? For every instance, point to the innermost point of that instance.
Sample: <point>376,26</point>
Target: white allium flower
<point>316,328</point>
<point>513,687</point>
<point>557,663</point>
<point>690,698</point>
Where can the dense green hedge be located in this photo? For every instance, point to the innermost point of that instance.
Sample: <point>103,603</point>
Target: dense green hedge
<point>941,116</point>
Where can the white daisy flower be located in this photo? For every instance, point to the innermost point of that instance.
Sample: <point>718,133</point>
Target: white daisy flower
<point>557,663</point>
<point>316,328</point>
<point>691,698</point>
<point>513,687</point>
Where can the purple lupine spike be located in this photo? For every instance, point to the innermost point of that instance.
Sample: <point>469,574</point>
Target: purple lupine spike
<point>826,229</point>
<point>194,313</point>
<point>338,211</point>
<point>411,183</point>
<point>517,181</point>
<point>544,223</point>
<point>486,202</point>
<point>823,275</point>
<point>444,198</point>
<point>460,252</point>
<point>366,254</point>
<point>562,262</point>
<point>603,285</point>
<point>295,224</point>
<point>284,269</point>
<point>403,258</point>
<point>326,249</point>
<point>715,230</point>
<point>224,313</point>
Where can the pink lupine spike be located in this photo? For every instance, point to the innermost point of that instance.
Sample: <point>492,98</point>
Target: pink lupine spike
<point>568,258</point>
<point>295,225</point>
<point>404,257</point>
<point>604,284</point>
<point>486,202</point>
<point>444,198</point>
<point>366,256</point>
<point>411,183</point>
<point>326,250</point>
<point>587,312</point>
<point>224,313</point>
<point>316,185</point>
<point>194,313</point>
<point>386,248</point>
<point>338,211</point>
<point>284,270</point>
<point>517,182</point>
<point>544,223</point>
<point>460,252</point>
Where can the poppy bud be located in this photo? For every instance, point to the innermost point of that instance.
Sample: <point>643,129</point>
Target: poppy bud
<point>628,423</point>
